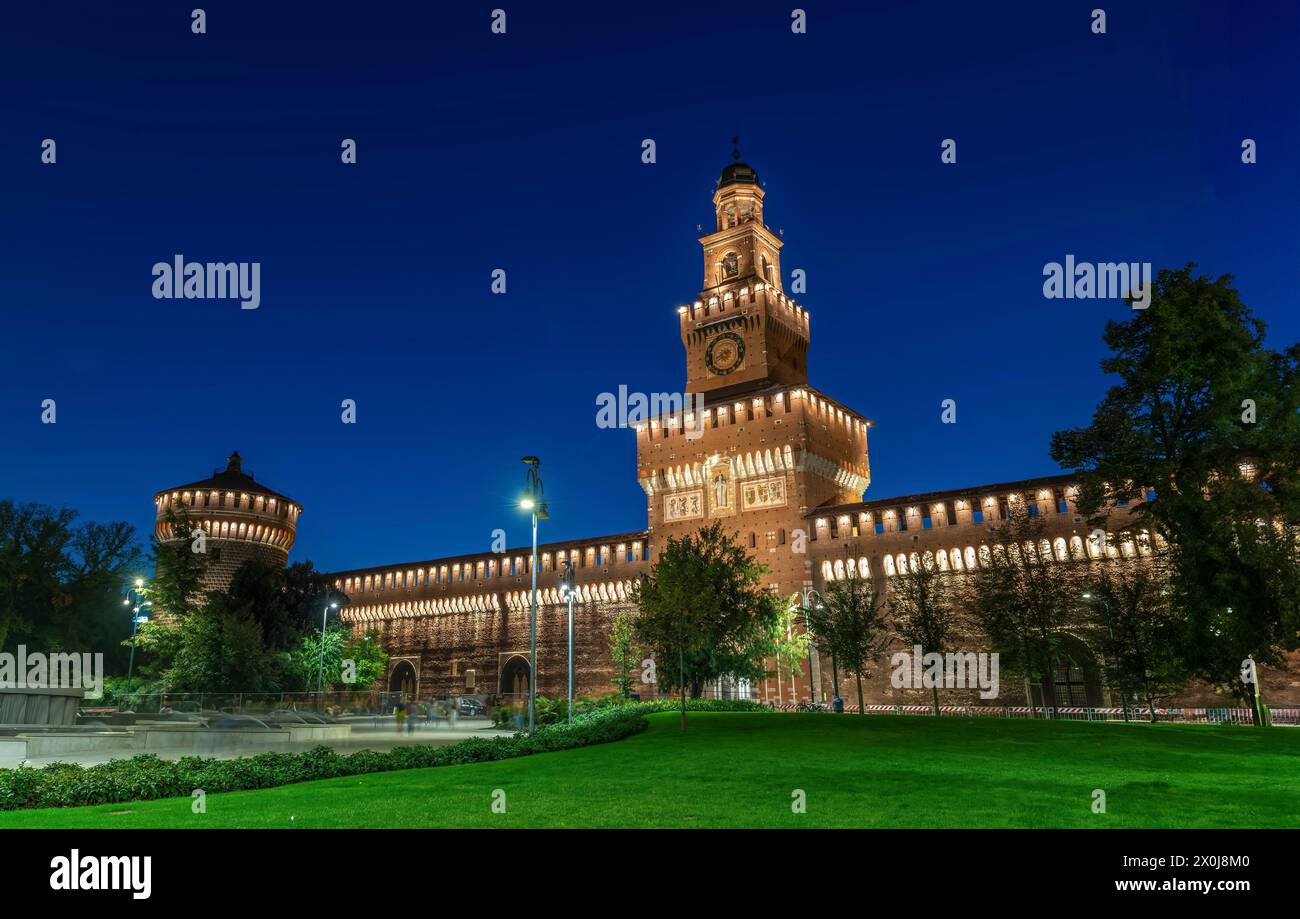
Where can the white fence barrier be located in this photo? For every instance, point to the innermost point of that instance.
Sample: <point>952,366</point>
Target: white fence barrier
<point>1289,716</point>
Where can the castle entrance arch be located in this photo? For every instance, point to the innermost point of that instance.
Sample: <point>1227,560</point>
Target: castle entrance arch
<point>514,676</point>
<point>403,679</point>
<point>1076,675</point>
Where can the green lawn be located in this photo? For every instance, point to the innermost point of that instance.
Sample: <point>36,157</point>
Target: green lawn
<point>739,770</point>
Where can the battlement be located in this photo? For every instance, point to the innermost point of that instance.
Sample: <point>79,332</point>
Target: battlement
<point>486,580</point>
<point>771,402</point>
<point>949,530</point>
<point>732,302</point>
<point>1050,497</point>
<point>243,518</point>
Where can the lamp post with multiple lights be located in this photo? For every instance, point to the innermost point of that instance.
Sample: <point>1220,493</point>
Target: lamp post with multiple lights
<point>135,599</point>
<point>535,501</point>
<point>320,677</point>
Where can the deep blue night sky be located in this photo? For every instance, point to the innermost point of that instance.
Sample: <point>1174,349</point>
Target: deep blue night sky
<point>522,151</point>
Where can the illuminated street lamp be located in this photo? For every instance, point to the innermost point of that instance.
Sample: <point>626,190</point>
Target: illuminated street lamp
<point>135,599</point>
<point>535,501</point>
<point>320,678</point>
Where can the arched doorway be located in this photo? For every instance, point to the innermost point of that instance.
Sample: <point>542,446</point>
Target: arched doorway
<point>402,679</point>
<point>1075,675</point>
<point>514,677</point>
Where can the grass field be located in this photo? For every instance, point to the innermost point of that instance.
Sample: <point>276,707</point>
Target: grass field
<point>740,770</point>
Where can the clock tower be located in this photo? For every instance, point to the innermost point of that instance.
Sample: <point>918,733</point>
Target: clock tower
<point>769,450</point>
<point>742,333</point>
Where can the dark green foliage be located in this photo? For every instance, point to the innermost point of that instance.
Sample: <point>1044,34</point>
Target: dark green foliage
<point>286,603</point>
<point>61,583</point>
<point>850,624</point>
<point>925,609</point>
<point>176,588</point>
<point>704,613</point>
<point>1026,602</point>
<point>220,650</point>
<point>625,652</point>
<point>1199,399</point>
<point>1135,628</point>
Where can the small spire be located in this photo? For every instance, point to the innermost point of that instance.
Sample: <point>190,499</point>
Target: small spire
<point>735,147</point>
<point>232,462</point>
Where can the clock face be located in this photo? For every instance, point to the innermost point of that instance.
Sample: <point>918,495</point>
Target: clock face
<point>725,353</point>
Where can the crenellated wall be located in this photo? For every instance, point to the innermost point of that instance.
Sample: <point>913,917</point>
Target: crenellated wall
<point>241,519</point>
<point>459,621</point>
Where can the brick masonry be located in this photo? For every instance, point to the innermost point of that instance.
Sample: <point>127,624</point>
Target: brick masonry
<point>780,463</point>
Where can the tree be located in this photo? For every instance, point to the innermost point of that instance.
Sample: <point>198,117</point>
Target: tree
<point>176,588</point>
<point>703,612</point>
<point>624,651</point>
<point>61,583</point>
<point>1134,621</point>
<point>850,623</point>
<point>1026,601</point>
<point>287,603</point>
<point>219,649</point>
<point>924,609</point>
<point>1209,418</point>
<point>365,654</point>
<point>788,645</point>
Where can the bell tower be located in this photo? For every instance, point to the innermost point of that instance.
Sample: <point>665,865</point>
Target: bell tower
<point>743,333</point>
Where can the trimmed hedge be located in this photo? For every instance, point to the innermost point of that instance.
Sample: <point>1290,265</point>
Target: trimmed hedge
<point>146,777</point>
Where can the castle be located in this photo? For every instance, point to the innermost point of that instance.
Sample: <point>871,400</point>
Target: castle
<point>780,463</point>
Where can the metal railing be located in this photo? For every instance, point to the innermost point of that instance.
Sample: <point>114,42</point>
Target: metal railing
<point>1184,715</point>
<point>258,703</point>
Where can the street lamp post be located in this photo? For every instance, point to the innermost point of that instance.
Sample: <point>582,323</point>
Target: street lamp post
<point>536,503</point>
<point>136,618</point>
<point>568,584</point>
<point>320,675</point>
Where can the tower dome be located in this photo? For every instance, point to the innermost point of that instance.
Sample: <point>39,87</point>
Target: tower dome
<point>737,174</point>
<point>240,518</point>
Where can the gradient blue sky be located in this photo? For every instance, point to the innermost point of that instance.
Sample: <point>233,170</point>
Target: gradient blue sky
<point>523,152</point>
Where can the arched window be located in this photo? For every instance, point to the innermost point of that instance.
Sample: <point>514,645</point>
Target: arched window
<point>889,566</point>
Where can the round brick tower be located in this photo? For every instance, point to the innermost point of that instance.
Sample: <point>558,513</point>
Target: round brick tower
<point>240,518</point>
